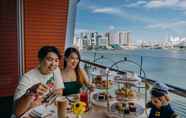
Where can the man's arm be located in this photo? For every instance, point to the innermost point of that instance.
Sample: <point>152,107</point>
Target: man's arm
<point>23,104</point>
<point>33,97</point>
<point>22,98</point>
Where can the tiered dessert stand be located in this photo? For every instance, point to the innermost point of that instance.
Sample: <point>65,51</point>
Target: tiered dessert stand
<point>121,95</point>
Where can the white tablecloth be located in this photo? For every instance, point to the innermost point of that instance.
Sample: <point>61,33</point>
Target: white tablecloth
<point>50,111</point>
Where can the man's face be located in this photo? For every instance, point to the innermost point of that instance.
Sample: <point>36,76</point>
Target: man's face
<point>72,60</point>
<point>156,101</point>
<point>50,63</point>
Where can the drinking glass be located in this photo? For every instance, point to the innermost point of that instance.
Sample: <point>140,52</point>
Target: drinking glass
<point>84,97</point>
<point>61,103</point>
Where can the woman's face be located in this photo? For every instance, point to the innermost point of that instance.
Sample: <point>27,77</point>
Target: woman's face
<point>72,60</point>
<point>50,63</point>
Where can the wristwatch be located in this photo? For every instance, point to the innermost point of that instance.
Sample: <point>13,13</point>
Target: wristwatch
<point>29,92</point>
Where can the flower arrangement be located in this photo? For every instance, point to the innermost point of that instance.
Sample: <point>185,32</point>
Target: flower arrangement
<point>79,108</point>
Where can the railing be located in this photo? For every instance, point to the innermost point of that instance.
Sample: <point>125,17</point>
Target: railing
<point>176,91</point>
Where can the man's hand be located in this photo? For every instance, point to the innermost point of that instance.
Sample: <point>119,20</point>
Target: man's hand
<point>33,97</point>
<point>37,102</point>
<point>39,89</point>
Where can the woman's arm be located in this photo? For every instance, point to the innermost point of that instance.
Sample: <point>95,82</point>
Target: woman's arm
<point>84,77</point>
<point>85,80</point>
<point>59,91</point>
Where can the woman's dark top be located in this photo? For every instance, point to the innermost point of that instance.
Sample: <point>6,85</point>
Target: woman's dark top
<point>71,88</point>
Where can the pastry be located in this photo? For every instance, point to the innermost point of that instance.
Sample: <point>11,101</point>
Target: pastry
<point>125,93</point>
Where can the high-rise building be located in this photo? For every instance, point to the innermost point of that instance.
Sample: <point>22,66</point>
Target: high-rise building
<point>114,38</point>
<point>93,39</point>
<point>102,40</point>
<point>125,39</point>
<point>105,39</point>
<point>88,39</point>
<point>85,39</point>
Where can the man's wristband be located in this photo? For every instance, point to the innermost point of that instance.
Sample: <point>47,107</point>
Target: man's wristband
<point>29,92</point>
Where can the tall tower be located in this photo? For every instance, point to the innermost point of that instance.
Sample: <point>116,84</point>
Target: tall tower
<point>125,39</point>
<point>129,40</point>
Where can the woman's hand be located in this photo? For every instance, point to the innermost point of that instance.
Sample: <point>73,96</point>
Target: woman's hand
<point>91,87</point>
<point>58,91</point>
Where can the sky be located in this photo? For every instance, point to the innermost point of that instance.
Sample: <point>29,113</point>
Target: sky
<point>149,20</point>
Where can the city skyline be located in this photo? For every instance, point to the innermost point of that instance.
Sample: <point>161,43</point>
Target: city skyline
<point>146,20</point>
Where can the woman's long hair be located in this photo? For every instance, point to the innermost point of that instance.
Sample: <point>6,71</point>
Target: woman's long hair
<point>67,53</point>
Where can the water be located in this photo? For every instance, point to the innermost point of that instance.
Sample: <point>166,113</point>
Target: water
<point>168,66</point>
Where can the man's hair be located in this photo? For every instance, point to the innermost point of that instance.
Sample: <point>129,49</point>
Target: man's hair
<point>45,50</point>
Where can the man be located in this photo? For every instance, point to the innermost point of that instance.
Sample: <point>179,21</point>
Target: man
<point>37,82</point>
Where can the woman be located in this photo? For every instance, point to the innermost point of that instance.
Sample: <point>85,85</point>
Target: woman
<point>74,77</point>
<point>36,83</point>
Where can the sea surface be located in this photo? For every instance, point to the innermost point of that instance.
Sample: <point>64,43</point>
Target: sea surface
<point>166,65</point>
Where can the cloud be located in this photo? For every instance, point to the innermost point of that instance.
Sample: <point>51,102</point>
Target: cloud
<point>156,3</point>
<point>161,3</point>
<point>182,5</point>
<point>111,27</point>
<point>172,4</point>
<point>184,12</point>
<point>120,13</point>
<point>117,11</point>
<point>135,4</point>
<point>179,5</point>
<point>107,10</point>
<point>168,25</point>
<point>103,10</point>
<point>111,10</point>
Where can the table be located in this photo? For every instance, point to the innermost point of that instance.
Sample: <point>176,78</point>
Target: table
<point>96,110</point>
